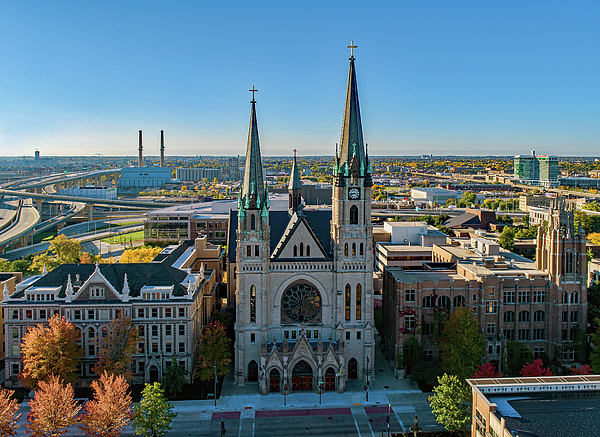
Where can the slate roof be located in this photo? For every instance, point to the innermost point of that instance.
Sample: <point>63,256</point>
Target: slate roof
<point>462,220</point>
<point>138,275</point>
<point>318,220</point>
<point>169,257</point>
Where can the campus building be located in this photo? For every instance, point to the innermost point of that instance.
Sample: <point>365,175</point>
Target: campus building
<point>302,279</point>
<point>536,169</point>
<point>169,300</point>
<point>198,174</point>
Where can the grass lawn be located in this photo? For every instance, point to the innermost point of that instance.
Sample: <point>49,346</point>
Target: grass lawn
<point>47,235</point>
<point>134,236</point>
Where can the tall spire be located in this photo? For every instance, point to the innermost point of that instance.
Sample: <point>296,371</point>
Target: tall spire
<point>295,188</point>
<point>351,143</point>
<point>253,192</point>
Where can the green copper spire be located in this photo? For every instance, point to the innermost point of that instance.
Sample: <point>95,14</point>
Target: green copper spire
<point>253,188</point>
<point>295,188</point>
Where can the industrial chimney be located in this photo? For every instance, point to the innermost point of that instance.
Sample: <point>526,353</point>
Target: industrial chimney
<point>140,156</point>
<point>162,148</point>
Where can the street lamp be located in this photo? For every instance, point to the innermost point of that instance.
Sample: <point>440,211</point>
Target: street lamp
<point>320,391</point>
<point>285,395</point>
<point>415,429</point>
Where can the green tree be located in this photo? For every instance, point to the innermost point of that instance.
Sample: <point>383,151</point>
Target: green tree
<point>214,347</point>
<point>174,378</point>
<point>65,250</point>
<point>154,414</point>
<point>451,403</point>
<point>462,343</point>
<point>595,355</point>
<point>468,198</point>
<point>507,238</point>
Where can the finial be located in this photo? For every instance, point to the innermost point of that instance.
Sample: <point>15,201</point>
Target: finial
<point>5,293</point>
<point>44,270</point>
<point>352,47</point>
<point>295,153</point>
<point>253,91</point>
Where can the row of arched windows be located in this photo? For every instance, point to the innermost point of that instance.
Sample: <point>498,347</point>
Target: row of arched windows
<point>348,302</point>
<point>574,297</point>
<point>442,302</point>
<point>301,250</point>
<point>361,249</point>
<point>524,316</point>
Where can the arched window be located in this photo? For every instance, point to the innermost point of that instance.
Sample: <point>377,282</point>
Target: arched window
<point>353,249</point>
<point>509,317</point>
<point>295,251</point>
<point>301,249</point>
<point>565,297</point>
<point>444,302</point>
<point>252,371</point>
<point>307,250</point>
<point>427,302</point>
<point>252,222</point>
<point>358,301</point>
<point>249,250</point>
<point>347,301</point>
<point>346,249</point>
<point>524,316</point>
<point>459,301</point>
<point>575,297</point>
<point>253,303</point>
<point>361,249</point>
<point>539,316</point>
<point>353,215</point>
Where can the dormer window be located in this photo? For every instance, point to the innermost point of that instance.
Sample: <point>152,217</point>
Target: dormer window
<point>97,292</point>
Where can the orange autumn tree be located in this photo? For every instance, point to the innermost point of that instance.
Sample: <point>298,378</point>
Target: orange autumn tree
<point>53,409</point>
<point>50,350</point>
<point>117,345</point>
<point>110,410</point>
<point>8,413</point>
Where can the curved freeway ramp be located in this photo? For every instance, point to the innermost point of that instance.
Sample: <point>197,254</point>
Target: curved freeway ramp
<point>27,218</point>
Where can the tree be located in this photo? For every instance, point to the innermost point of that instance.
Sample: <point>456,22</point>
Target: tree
<point>8,413</point>
<point>65,250</point>
<point>214,347</point>
<point>139,255</point>
<point>53,409</point>
<point>153,416</point>
<point>50,350</point>
<point>462,343</point>
<point>174,377</point>
<point>117,346</point>
<point>451,403</point>
<point>583,370</point>
<point>507,238</point>
<point>486,370</point>
<point>595,355</point>
<point>535,368</point>
<point>110,410</point>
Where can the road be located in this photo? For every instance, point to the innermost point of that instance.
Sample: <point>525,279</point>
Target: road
<point>28,218</point>
<point>8,210</point>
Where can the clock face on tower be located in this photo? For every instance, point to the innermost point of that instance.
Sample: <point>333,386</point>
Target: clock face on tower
<point>354,193</point>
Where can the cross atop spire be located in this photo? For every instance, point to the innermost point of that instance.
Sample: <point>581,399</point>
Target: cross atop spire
<point>352,47</point>
<point>253,91</point>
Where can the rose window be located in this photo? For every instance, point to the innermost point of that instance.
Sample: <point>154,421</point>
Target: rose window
<point>301,302</point>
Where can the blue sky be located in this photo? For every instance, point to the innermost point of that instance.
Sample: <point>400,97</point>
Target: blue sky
<point>441,77</point>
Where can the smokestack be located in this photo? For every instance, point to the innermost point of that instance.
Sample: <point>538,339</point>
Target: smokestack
<point>162,148</point>
<point>140,156</point>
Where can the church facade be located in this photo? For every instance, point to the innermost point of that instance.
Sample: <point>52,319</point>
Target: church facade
<point>304,278</point>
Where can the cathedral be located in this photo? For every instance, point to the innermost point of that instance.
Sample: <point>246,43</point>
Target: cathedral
<point>303,278</point>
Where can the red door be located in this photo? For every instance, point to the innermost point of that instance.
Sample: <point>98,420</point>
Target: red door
<point>330,379</point>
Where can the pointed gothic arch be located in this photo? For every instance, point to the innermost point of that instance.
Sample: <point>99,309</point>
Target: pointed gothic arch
<point>361,252</point>
<point>252,371</point>
<point>353,215</point>
<point>347,306</point>
<point>352,369</point>
<point>358,302</point>
<point>252,304</point>
<point>252,222</point>
<point>346,249</point>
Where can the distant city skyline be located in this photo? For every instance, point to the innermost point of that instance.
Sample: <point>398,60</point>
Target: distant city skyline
<point>434,78</point>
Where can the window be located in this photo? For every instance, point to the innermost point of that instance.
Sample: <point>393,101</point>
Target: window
<point>167,313</point>
<point>428,355</point>
<point>358,302</point>
<point>16,350</point>
<point>154,331</point>
<point>353,215</point>
<point>249,251</point>
<point>474,298</point>
<point>538,352</point>
<point>353,249</point>
<point>539,316</point>
<point>444,302</point>
<point>15,332</point>
<point>295,251</point>
<point>565,317</point>
<point>523,334</point>
<point>509,296</point>
<point>568,354</point>
<point>491,307</point>
<point>361,251</point>
<point>428,329</point>
<point>524,296</point>
<point>409,295</point>
<point>168,348</point>
<point>140,313</point>
<point>358,335</point>
<point>346,249</point>
<point>575,297</point>
<point>15,314</point>
<point>141,330</point>
<point>154,348</point>
<point>308,333</point>
<point>181,329</point>
<point>154,312</point>
<point>286,335</point>
<point>307,250</point>
<point>91,349</point>
<point>252,304</point>
<point>252,338</point>
<point>510,334</point>
<point>509,317</point>
<point>167,329</point>
<point>491,328</point>
<point>91,314</point>
<point>539,296</point>
<point>538,334</point>
<point>28,314</point>
<point>565,297</point>
<point>97,292</point>
<point>142,348</point>
<point>347,335</point>
<point>252,222</point>
<point>409,322</point>
<point>181,347</point>
<point>491,291</point>
<point>42,314</point>
<point>256,250</point>
<point>565,335</point>
<point>104,314</point>
<point>301,249</point>
<point>574,316</point>
<point>459,301</point>
<point>524,316</point>
<point>347,301</point>
<point>293,334</point>
<point>181,312</point>
<point>427,302</point>
<point>141,367</point>
<point>15,369</point>
<point>316,334</point>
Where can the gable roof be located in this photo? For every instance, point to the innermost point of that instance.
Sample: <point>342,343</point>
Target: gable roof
<point>462,220</point>
<point>297,222</point>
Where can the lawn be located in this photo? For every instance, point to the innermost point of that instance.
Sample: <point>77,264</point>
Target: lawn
<point>117,239</point>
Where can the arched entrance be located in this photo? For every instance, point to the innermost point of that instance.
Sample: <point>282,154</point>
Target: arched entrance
<point>153,374</point>
<point>274,385</point>
<point>330,379</point>
<point>252,371</point>
<point>352,369</point>
<point>302,377</point>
